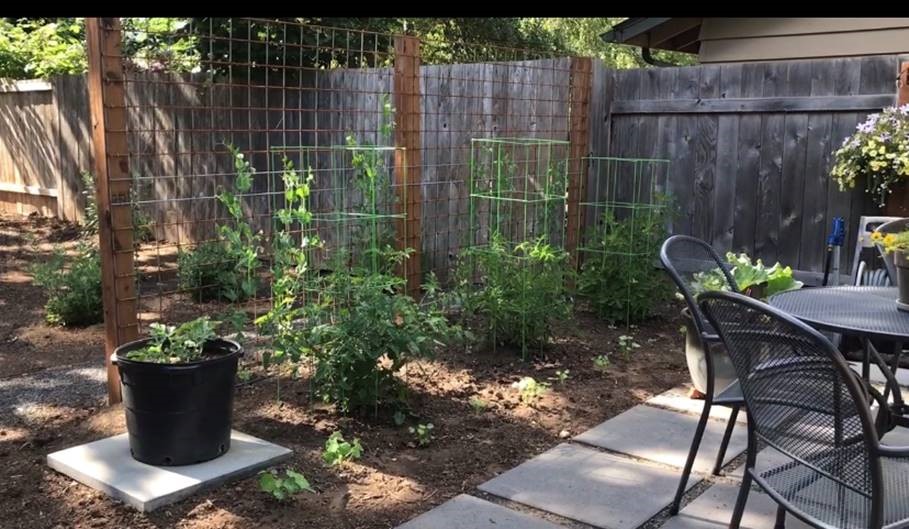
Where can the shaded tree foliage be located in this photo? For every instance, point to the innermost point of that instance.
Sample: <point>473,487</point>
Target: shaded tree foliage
<point>255,48</point>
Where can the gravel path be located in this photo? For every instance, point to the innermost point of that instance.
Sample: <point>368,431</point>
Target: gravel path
<point>79,385</point>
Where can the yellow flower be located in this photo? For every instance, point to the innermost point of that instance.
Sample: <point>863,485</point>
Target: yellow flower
<point>889,239</point>
<point>876,236</point>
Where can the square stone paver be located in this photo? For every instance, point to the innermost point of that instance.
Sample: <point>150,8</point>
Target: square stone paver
<point>677,399</point>
<point>664,436</point>
<point>902,374</point>
<point>107,465</point>
<point>713,510</point>
<point>467,512</point>
<point>589,486</point>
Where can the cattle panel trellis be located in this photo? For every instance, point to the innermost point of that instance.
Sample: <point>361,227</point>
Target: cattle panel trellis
<point>280,94</point>
<point>750,144</point>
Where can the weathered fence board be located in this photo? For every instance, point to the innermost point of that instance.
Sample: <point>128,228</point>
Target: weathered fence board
<point>749,144</point>
<point>751,147</point>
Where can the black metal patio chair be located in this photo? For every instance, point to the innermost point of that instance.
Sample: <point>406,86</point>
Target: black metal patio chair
<point>805,403</point>
<point>685,257</point>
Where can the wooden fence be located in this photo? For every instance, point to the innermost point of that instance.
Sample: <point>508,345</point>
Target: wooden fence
<point>750,144</point>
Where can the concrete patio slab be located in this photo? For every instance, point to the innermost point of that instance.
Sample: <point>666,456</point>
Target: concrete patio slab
<point>902,374</point>
<point>467,512</point>
<point>713,510</point>
<point>583,484</point>
<point>677,399</point>
<point>663,436</point>
<point>107,465</point>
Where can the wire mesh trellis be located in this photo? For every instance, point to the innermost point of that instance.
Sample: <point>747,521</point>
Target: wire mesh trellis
<point>518,193</point>
<point>626,218</point>
<point>274,87</point>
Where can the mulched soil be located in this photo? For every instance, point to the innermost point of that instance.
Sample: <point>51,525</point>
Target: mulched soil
<point>394,481</point>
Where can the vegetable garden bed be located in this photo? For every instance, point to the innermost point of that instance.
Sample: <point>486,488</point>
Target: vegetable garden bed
<point>480,424</point>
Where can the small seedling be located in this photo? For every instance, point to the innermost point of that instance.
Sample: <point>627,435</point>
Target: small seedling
<point>282,488</point>
<point>562,376</point>
<point>337,450</point>
<point>626,345</point>
<point>244,375</point>
<point>601,363</point>
<point>530,389</point>
<point>423,433</point>
<point>399,418</point>
<point>479,405</point>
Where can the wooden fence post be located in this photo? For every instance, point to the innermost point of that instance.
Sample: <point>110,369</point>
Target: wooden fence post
<point>408,163</point>
<point>581,77</point>
<point>112,184</point>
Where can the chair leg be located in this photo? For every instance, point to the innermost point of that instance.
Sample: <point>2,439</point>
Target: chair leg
<point>725,444</point>
<point>692,454</point>
<point>741,501</point>
<point>780,518</point>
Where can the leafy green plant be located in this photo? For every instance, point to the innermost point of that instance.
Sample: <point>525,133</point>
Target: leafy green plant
<point>626,345</point>
<point>601,363</point>
<point>369,333</point>
<point>562,375</point>
<point>478,405</point>
<point>618,276</point>
<point>515,294</point>
<point>90,221</point>
<point>530,390</point>
<point>206,271</point>
<point>337,450</point>
<point>226,268</point>
<point>72,286</point>
<point>753,279</point>
<point>283,321</point>
<point>283,488</point>
<point>181,344</point>
<point>422,433</point>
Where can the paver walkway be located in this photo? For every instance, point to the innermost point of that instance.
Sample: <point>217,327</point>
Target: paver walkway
<point>621,474</point>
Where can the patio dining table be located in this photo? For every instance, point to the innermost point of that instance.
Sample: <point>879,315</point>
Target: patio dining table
<point>867,313</point>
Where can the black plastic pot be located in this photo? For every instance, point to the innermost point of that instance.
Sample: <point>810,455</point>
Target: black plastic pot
<point>179,414</point>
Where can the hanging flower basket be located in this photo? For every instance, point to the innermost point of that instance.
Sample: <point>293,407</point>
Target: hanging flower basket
<point>878,153</point>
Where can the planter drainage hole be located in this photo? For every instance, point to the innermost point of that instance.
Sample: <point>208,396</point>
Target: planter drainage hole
<point>221,449</point>
<point>168,460</point>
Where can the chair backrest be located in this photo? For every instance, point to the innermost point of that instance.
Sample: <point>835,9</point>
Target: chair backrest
<point>894,226</point>
<point>802,397</point>
<point>684,258</point>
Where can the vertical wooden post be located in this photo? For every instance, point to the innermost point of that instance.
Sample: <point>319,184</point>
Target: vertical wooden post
<point>408,163</point>
<point>113,182</point>
<point>581,78</point>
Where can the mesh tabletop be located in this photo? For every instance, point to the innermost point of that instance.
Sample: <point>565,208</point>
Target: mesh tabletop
<point>867,311</point>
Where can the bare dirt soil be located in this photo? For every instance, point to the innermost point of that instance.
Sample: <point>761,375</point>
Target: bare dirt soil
<point>393,482</point>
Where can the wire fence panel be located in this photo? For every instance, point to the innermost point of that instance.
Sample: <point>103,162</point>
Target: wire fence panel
<point>338,106</point>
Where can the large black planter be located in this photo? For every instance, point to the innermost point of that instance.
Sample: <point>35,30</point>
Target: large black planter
<point>179,414</point>
<point>695,355</point>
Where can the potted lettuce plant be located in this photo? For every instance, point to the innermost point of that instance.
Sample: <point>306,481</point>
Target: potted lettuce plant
<point>754,280</point>
<point>178,390</point>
